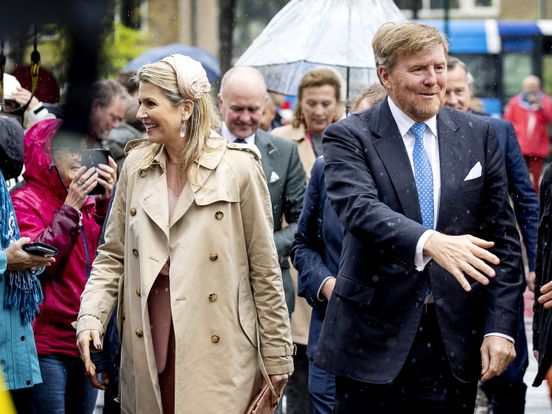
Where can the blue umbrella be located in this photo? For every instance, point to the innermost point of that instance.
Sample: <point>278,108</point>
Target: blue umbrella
<point>209,61</point>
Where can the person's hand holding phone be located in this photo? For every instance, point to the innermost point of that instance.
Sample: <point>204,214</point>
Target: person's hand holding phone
<point>84,181</point>
<point>18,259</point>
<point>107,177</point>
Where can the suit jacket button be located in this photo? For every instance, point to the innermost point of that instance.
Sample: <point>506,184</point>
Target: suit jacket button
<point>132,211</point>
<point>219,215</point>
<point>139,333</point>
<point>213,256</point>
<point>138,292</point>
<point>135,252</point>
<point>215,339</point>
<point>213,297</point>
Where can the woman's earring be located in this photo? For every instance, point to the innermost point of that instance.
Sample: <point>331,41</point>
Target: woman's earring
<point>183,129</point>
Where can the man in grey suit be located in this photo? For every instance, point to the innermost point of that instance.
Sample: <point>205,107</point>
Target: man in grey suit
<point>241,100</point>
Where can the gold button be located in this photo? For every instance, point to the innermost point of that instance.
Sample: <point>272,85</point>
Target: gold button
<point>139,333</point>
<point>215,339</point>
<point>132,211</point>
<point>213,256</point>
<point>219,215</point>
<point>138,291</point>
<point>135,252</point>
<point>213,297</point>
<point>143,173</point>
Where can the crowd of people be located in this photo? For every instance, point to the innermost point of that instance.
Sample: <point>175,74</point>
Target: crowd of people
<point>368,256</point>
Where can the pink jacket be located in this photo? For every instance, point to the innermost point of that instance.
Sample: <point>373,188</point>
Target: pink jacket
<point>531,126</point>
<point>42,216</point>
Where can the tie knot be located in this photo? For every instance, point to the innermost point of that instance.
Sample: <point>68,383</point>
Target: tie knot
<point>240,141</point>
<point>418,130</point>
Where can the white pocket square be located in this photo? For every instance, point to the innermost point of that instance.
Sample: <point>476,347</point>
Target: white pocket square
<point>475,172</point>
<point>273,177</point>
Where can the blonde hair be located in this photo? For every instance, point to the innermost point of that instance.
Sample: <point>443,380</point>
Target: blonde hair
<point>374,93</point>
<point>204,116</point>
<point>407,38</point>
<point>314,78</point>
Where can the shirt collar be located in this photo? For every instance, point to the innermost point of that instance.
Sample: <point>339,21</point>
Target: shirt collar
<point>227,135</point>
<point>404,122</point>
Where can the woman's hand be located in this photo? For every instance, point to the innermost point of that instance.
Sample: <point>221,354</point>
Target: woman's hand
<point>83,343</point>
<point>107,177</point>
<point>83,182</point>
<point>279,382</point>
<point>22,96</point>
<point>19,259</point>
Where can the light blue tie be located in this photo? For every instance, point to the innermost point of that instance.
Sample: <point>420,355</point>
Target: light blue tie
<point>423,174</point>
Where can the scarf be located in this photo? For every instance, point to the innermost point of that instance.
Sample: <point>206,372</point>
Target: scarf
<point>23,290</point>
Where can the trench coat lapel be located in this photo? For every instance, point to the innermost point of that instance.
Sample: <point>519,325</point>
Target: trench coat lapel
<point>390,147</point>
<point>154,202</point>
<point>452,160</point>
<point>197,176</point>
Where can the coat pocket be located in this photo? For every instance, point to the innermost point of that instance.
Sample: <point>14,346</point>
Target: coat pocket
<point>353,290</point>
<point>247,312</point>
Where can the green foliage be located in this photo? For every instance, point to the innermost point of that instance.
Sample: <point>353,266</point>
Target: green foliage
<point>119,47</point>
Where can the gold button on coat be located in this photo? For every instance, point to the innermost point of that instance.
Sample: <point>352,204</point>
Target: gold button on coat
<point>219,215</point>
<point>135,252</point>
<point>139,333</point>
<point>143,173</point>
<point>213,256</point>
<point>213,297</point>
<point>215,339</point>
<point>139,291</point>
<point>132,211</point>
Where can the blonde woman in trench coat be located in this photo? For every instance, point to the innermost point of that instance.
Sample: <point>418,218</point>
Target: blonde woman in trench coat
<point>190,259</point>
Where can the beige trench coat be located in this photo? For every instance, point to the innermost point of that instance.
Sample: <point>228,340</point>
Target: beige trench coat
<point>224,273</point>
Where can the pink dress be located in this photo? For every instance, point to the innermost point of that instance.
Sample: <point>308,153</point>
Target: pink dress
<point>162,332</point>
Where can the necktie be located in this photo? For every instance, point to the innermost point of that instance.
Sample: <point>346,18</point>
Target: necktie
<point>240,141</point>
<point>423,174</point>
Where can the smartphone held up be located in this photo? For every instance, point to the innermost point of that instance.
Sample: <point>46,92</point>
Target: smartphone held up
<point>92,158</point>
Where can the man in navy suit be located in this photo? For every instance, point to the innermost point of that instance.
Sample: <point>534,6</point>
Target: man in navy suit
<point>427,295</point>
<point>506,392</point>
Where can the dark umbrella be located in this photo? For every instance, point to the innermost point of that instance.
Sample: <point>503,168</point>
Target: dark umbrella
<point>207,60</point>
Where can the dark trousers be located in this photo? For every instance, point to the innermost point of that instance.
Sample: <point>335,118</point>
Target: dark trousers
<point>22,400</point>
<point>321,389</point>
<point>425,383</point>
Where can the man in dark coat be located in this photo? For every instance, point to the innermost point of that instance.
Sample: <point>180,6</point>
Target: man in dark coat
<point>506,393</point>
<point>427,295</point>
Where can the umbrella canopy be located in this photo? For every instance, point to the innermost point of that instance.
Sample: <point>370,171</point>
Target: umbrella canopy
<point>207,60</point>
<point>310,33</point>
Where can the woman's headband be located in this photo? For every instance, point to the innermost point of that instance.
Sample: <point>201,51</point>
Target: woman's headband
<point>190,76</point>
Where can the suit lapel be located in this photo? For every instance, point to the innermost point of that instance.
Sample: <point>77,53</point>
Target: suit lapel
<point>268,154</point>
<point>452,160</point>
<point>390,147</point>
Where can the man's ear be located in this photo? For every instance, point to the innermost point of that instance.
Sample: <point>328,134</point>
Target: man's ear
<point>383,75</point>
<point>219,100</point>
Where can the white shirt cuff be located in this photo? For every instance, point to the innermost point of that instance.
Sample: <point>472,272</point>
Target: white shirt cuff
<point>318,294</point>
<point>420,261</point>
<point>509,338</point>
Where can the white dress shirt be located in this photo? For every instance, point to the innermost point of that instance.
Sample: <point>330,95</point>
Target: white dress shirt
<point>431,145</point>
<point>228,136</point>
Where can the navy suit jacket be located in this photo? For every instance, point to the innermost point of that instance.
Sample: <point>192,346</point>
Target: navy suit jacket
<point>526,203</point>
<point>317,249</point>
<point>375,310</point>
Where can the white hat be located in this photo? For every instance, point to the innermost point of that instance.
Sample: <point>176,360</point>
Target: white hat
<point>10,86</point>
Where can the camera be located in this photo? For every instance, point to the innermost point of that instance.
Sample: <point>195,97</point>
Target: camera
<point>91,158</point>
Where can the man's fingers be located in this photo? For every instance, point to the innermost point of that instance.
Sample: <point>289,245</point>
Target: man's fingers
<point>485,255</point>
<point>480,242</point>
<point>546,288</point>
<point>459,276</point>
<point>474,274</point>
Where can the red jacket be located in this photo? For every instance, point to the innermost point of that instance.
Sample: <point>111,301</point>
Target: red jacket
<point>531,126</point>
<point>42,216</point>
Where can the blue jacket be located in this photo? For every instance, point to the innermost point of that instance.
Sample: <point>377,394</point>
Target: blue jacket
<point>317,249</point>
<point>526,204</point>
<point>18,356</point>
